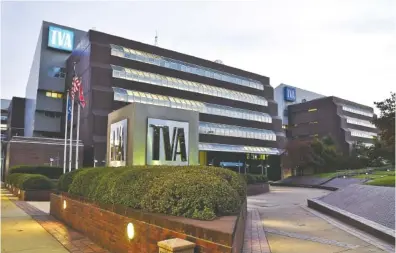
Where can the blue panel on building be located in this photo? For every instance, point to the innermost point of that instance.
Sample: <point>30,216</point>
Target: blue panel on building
<point>60,38</point>
<point>289,94</point>
<point>230,164</point>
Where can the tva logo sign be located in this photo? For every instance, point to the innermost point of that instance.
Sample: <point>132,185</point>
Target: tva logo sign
<point>60,38</point>
<point>289,94</point>
<point>167,142</point>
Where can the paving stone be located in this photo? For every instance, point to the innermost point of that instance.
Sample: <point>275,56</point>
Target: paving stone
<point>374,203</point>
<point>304,180</point>
<point>343,182</point>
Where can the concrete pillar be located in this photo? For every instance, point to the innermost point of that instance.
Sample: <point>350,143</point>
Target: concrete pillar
<point>176,245</point>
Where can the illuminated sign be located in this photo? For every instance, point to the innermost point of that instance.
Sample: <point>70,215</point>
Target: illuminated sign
<point>289,94</point>
<point>167,142</point>
<point>60,38</point>
<point>118,143</point>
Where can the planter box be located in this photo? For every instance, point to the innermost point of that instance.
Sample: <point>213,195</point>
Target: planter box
<point>107,226</point>
<point>256,189</point>
<point>30,195</point>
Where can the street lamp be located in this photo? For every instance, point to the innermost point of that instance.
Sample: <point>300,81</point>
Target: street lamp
<point>51,161</point>
<point>95,161</point>
<point>246,167</point>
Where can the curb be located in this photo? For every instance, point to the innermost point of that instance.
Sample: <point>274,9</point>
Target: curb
<point>306,186</point>
<point>356,221</point>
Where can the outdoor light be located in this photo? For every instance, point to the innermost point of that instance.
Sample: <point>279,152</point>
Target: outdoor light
<point>19,191</point>
<point>366,173</point>
<point>130,231</point>
<point>344,176</point>
<point>64,204</point>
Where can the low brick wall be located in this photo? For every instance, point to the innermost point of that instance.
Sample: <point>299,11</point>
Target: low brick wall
<point>256,189</point>
<point>30,195</point>
<point>106,225</point>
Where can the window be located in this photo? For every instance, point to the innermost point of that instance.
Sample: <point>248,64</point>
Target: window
<point>199,106</point>
<point>58,72</point>
<point>3,126</point>
<point>285,113</point>
<point>185,67</point>
<point>180,84</point>
<point>53,94</point>
<point>3,117</point>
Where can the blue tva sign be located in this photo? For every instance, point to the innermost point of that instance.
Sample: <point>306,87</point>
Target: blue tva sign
<point>289,94</point>
<point>60,38</point>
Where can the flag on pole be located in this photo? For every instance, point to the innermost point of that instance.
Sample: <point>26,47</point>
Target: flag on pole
<point>69,108</point>
<point>81,98</point>
<point>76,83</point>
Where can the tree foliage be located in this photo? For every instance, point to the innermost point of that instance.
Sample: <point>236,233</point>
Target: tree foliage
<point>385,123</point>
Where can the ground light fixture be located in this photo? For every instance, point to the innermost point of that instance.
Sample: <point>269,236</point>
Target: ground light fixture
<point>130,231</point>
<point>64,204</point>
<point>19,191</point>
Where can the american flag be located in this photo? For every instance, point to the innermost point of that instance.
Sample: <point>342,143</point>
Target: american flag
<point>77,87</point>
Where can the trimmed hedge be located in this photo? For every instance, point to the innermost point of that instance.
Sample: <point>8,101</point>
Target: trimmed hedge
<point>48,171</point>
<point>29,181</point>
<point>254,179</point>
<point>190,191</point>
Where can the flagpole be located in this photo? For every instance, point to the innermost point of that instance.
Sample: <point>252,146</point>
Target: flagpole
<point>65,146</point>
<point>71,136</point>
<point>78,133</point>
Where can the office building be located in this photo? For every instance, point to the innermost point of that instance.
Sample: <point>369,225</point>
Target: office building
<point>286,95</point>
<point>238,120</point>
<point>46,83</point>
<point>345,121</point>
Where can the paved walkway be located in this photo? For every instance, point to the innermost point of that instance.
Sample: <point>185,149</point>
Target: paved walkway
<point>28,228</point>
<point>290,227</point>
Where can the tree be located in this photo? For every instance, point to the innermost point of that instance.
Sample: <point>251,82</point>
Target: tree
<point>386,126</point>
<point>299,154</point>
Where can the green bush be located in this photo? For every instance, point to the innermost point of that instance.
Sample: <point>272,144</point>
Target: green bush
<point>29,181</point>
<point>195,192</point>
<point>66,179</point>
<point>190,194</point>
<point>254,179</point>
<point>48,171</point>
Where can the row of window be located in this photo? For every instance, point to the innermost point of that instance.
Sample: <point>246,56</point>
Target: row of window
<point>357,111</point>
<point>155,99</point>
<point>3,117</point>
<point>183,66</point>
<point>236,131</point>
<point>3,127</point>
<point>359,122</point>
<point>362,134</point>
<point>165,81</point>
<point>238,149</point>
<point>58,72</point>
<point>53,94</point>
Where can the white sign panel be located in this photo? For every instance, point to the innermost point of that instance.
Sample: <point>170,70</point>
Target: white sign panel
<point>167,142</point>
<point>118,143</point>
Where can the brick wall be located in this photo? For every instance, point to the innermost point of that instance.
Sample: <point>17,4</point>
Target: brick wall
<point>106,225</point>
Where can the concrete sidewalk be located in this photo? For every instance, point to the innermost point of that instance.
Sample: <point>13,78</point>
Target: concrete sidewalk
<point>21,233</point>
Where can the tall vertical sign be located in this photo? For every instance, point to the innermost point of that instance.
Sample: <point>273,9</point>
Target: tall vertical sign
<point>167,142</point>
<point>118,143</point>
<point>61,39</point>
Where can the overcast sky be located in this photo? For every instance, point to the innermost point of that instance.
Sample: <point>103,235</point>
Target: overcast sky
<point>345,48</point>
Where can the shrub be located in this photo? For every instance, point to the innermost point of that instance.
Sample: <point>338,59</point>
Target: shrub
<point>195,192</point>
<point>66,179</point>
<point>81,184</point>
<point>29,181</point>
<point>192,195</point>
<point>48,171</point>
<point>253,179</point>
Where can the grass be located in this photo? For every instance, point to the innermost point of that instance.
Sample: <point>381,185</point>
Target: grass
<point>388,181</point>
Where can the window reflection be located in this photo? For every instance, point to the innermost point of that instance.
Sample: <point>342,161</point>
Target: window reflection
<point>165,81</point>
<point>183,66</point>
<point>226,111</point>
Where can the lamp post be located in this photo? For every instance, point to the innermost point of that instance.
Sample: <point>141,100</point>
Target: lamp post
<point>51,161</point>
<point>95,161</point>
<point>246,167</point>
